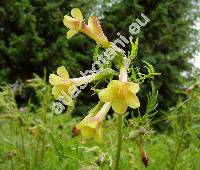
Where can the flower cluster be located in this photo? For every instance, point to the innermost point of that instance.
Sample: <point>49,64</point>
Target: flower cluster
<point>119,94</point>
<point>92,29</point>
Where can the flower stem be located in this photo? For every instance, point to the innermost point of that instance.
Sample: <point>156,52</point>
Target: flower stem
<point>119,143</point>
<point>123,70</point>
<point>124,78</point>
<point>23,150</point>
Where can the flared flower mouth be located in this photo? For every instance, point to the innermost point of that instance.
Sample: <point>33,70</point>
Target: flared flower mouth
<point>92,29</point>
<point>74,23</point>
<point>92,128</point>
<point>91,125</point>
<point>121,95</point>
<point>62,85</point>
<point>62,77</point>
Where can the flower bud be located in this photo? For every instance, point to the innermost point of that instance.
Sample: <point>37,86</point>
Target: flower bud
<point>144,157</point>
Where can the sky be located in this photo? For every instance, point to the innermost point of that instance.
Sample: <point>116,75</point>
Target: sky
<point>196,61</point>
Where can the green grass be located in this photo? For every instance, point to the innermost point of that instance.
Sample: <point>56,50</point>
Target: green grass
<point>38,139</point>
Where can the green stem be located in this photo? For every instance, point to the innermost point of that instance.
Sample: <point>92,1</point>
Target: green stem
<point>36,153</point>
<point>177,153</point>
<point>23,150</point>
<point>11,133</point>
<point>119,143</point>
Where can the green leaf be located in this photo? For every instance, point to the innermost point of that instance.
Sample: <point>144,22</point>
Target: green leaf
<point>134,49</point>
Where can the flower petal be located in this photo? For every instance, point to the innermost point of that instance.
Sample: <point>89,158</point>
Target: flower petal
<point>115,84</point>
<point>106,95</point>
<point>68,21</point>
<point>87,132</point>
<point>119,106</point>
<point>133,87</point>
<point>60,93</point>
<point>55,80</point>
<point>71,33</point>
<point>76,13</point>
<point>85,120</point>
<point>72,23</point>
<point>133,101</point>
<point>95,26</point>
<point>62,72</point>
<point>98,135</point>
<point>56,90</point>
<point>92,124</point>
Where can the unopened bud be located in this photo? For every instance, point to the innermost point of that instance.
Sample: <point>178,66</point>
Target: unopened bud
<point>144,158</point>
<point>75,132</point>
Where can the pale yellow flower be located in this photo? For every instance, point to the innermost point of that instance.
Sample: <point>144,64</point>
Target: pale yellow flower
<point>121,95</point>
<point>92,29</point>
<point>91,125</point>
<point>64,88</point>
<point>61,83</point>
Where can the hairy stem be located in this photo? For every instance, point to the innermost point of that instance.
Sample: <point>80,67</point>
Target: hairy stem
<point>124,78</point>
<point>119,142</point>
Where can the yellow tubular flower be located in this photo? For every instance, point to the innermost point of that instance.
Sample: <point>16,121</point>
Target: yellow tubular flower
<point>75,24</point>
<point>61,83</point>
<point>91,125</point>
<point>121,95</point>
<point>92,29</point>
<point>64,87</point>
